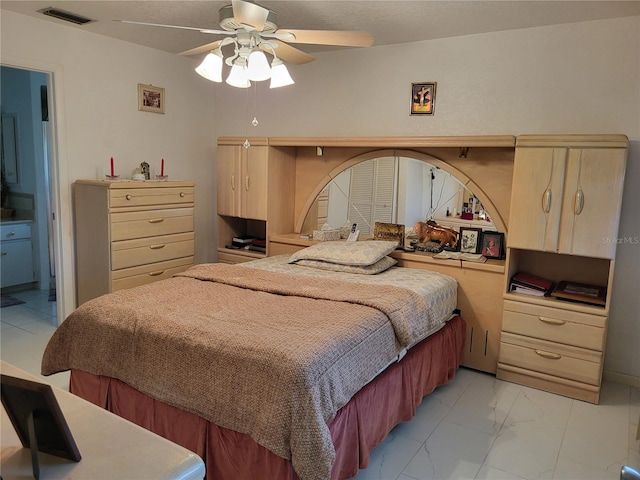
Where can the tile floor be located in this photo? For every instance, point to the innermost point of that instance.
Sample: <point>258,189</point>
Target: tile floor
<point>474,427</point>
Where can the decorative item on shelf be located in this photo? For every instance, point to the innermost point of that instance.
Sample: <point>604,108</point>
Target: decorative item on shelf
<point>470,239</point>
<point>162,176</point>
<point>580,292</point>
<point>389,231</point>
<point>145,170</point>
<point>493,245</point>
<point>432,231</point>
<point>326,233</point>
<point>112,175</point>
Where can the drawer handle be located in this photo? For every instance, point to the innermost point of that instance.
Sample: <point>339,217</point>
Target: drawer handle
<point>156,273</point>
<point>246,183</point>
<point>11,233</point>
<point>181,194</point>
<point>128,197</point>
<point>233,182</point>
<point>551,321</point>
<point>549,355</point>
<point>546,201</point>
<point>579,202</point>
<point>4,253</point>
<point>156,247</point>
<point>156,220</point>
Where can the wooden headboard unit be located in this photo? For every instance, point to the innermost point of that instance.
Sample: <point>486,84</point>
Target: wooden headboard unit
<point>483,163</point>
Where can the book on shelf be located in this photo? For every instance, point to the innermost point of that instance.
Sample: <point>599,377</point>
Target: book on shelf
<point>580,292</point>
<point>467,257</point>
<point>523,282</point>
<point>256,248</point>
<point>242,240</point>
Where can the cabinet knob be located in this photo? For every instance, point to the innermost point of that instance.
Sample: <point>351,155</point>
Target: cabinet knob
<point>128,197</point>
<point>579,202</point>
<point>546,201</point>
<point>11,233</point>
<point>181,194</point>
<point>4,253</point>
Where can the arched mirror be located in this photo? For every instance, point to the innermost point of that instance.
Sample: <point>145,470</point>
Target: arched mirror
<point>394,190</point>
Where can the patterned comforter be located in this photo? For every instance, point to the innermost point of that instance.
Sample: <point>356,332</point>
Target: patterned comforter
<point>268,354</point>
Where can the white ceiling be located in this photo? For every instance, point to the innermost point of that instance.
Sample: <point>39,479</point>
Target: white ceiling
<point>389,22</point>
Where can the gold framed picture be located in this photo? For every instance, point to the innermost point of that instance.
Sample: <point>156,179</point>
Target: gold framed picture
<point>150,98</point>
<point>423,98</point>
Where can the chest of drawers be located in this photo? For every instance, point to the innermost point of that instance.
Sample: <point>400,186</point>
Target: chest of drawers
<point>131,233</point>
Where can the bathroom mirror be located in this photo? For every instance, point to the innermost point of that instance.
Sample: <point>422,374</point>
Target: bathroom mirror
<point>391,190</point>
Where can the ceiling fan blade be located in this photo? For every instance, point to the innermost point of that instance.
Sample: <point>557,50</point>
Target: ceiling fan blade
<point>202,49</point>
<point>250,14</point>
<point>287,52</point>
<point>326,37</point>
<point>197,29</point>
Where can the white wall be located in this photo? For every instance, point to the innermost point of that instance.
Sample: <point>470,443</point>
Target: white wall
<point>575,78</point>
<point>95,92</point>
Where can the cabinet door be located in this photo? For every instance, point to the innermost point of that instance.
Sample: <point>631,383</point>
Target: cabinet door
<point>17,263</point>
<point>228,181</point>
<point>254,182</point>
<point>536,198</point>
<point>591,202</point>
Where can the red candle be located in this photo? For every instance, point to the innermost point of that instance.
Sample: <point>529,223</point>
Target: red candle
<point>112,171</point>
<point>162,168</point>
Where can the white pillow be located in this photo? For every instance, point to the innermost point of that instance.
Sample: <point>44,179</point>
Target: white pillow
<point>346,253</point>
<point>377,267</point>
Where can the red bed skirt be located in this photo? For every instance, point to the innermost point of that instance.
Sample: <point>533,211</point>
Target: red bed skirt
<point>391,398</point>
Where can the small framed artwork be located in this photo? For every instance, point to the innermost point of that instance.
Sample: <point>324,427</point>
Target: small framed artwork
<point>470,241</point>
<point>150,98</point>
<point>423,98</point>
<point>493,245</point>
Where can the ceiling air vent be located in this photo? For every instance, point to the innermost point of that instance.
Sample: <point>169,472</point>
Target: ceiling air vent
<point>66,16</point>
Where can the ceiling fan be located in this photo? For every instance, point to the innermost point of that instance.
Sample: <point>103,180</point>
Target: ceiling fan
<point>252,29</point>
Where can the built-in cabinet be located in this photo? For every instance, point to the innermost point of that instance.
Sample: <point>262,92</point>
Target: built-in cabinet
<point>255,193</point>
<point>16,250</point>
<point>131,233</point>
<point>565,210</point>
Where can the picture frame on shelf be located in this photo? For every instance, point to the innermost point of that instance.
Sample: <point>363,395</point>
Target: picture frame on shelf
<point>423,98</point>
<point>150,98</point>
<point>470,240</point>
<point>493,245</point>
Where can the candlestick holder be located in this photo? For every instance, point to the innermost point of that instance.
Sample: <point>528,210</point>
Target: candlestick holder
<point>112,177</point>
<point>162,177</point>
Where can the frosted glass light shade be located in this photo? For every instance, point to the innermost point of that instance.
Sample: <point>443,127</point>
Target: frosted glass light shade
<point>211,67</point>
<point>279,74</point>
<point>238,75</point>
<point>258,68</point>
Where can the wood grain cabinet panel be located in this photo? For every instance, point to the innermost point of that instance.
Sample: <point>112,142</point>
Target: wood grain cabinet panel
<point>129,234</point>
<point>565,211</point>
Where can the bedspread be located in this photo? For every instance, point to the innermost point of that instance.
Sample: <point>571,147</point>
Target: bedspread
<point>267,354</point>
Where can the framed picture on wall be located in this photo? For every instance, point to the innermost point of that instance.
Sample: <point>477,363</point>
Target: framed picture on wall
<point>493,245</point>
<point>423,98</point>
<point>470,240</point>
<point>150,98</point>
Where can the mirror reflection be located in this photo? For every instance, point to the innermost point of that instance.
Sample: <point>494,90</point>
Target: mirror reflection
<point>394,190</point>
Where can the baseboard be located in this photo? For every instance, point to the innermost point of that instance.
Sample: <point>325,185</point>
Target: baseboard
<point>622,378</point>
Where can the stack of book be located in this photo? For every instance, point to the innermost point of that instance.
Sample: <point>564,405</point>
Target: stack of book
<point>528,284</point>
<point>242,241</point>
<point>257,245</point>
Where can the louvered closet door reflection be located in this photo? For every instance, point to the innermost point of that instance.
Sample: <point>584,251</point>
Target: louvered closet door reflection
<point>372,193</point>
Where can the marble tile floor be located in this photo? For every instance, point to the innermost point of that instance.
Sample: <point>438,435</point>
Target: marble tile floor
<point>476,427</point>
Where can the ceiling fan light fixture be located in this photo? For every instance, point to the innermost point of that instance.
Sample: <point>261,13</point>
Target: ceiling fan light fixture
<point>258,66</point>
<point>211,66</point>
<point>280,74</point>
<point>238,75</point>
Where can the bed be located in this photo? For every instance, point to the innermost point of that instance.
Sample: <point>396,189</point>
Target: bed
<point>278,368</point>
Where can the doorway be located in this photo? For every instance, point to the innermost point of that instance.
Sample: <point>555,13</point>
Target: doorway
<point>26,96</point>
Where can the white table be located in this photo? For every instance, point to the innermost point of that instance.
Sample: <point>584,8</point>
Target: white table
<point>110,446</point>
